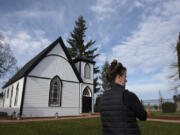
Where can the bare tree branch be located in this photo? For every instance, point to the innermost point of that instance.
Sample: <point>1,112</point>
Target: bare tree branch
<point>7,60</point>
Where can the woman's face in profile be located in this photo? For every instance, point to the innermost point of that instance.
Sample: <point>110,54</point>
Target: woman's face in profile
<point>123,79</point>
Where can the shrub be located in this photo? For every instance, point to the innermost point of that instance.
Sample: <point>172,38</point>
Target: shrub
<point>168,107</point>
<point>155,107</point>
<point>3,114</point>
<point>97,105</point>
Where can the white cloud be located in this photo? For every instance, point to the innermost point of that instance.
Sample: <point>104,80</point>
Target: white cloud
<point>109,8</point>
<point>24,44</point>
<point>151,91</point>
<point>148,48</point>
<point>104,42</point>
<point>33,17</point>
<point>103,6</point>
<point>138,4</point>
<point>101,59</point>
<point>37,13</point>
<point>148,51</point>
<point>23,41</point>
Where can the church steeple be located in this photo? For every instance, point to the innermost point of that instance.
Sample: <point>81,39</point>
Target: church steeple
<point>85,68</point>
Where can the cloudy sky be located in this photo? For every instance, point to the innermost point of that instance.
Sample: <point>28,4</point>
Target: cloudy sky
<point>139,33</point>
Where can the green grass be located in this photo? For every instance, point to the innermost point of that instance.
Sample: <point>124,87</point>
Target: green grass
<point>155,113</point>
<point>90,126</point>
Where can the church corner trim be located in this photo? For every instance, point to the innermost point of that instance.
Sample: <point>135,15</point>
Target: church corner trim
<point>23,93</point>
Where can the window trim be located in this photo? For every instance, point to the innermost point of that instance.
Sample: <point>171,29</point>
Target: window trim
<point>16,96</point>
<point>4,97</point>
<point>10,102</point>
<point>60,92</point>
<point>85,71</point>
<point>8,93</point>
<point>89,91</point>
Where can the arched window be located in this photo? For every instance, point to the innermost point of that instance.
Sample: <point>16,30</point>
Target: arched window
<point>55,92</point>
<point>87,92</point>
<point>11,97</point>
<point>87,71</point>
<point>16,97</point>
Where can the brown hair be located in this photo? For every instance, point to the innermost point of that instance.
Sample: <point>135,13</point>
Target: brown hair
<point>114,69</point>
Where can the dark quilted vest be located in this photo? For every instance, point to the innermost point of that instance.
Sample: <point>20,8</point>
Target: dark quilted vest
<point>116,118</point>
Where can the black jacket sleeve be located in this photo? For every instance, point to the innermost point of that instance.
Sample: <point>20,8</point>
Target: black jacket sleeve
<point>132,102</point>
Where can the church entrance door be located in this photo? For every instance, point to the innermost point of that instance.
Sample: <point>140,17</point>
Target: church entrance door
<point>86,101</point>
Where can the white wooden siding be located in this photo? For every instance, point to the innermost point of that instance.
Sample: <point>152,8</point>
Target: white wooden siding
<point>37,89</point>
<point>54,65</point>
<point>49,112</point>
<point>58,50</point>
<point>7,100</point>
<point>1,102</point>
<point>37,97</point>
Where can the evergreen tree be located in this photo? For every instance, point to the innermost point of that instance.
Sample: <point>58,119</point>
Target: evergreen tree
<point>104,84</point>
<point>178,55</point>
<point>97,105</point>
<point>103,75</point>
<point>79,49</point>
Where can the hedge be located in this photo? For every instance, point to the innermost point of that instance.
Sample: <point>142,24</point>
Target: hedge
<point>169,107</point>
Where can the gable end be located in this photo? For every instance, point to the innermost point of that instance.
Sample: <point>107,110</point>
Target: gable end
<point>27,68</point>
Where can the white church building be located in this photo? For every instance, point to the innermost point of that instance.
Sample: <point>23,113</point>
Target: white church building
<point>51,84</point>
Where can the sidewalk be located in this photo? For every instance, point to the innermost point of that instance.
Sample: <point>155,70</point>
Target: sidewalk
<point>163,120</point>
<point>77,117</point>
<point>49,119</point>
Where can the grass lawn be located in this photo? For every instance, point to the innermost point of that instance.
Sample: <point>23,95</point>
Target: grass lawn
<point>90,126</point>
<point>155,113</point>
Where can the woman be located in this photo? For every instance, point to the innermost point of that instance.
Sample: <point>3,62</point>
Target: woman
<point>119,107</point>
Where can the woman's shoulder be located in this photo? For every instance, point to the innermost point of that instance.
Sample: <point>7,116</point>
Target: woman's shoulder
<point>129,94</point>
<point>129,98</point>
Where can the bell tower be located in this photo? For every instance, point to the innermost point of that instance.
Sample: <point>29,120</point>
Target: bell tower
<point>85,68</point>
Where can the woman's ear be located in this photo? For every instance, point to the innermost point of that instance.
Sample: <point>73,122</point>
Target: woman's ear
<point>119,77</point>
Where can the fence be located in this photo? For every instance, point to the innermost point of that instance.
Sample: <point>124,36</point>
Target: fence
<point>155,104</point>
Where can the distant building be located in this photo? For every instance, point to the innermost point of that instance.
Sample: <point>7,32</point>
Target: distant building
<point>51,84</point>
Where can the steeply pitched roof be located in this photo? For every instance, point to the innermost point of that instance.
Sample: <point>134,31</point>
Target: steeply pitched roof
<point>32,63</point>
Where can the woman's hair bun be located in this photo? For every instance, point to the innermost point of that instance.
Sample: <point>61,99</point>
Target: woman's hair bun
<point>113,63</point>
<point>114,69</point>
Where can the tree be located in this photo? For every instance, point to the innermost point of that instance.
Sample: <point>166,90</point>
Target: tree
<point>178,55</point>
<point>176,66</point>
<point>7,60</point>
<point>103,77</point>
<point>97,105</point>
<point>80,49</point>
<point>104,84</point>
